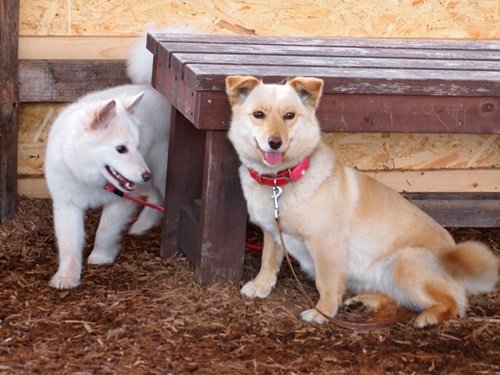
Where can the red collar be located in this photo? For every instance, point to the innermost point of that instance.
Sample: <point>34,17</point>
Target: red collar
<point>283,177</point>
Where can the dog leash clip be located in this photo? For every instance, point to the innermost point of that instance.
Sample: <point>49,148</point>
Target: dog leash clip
<point>277,191</point>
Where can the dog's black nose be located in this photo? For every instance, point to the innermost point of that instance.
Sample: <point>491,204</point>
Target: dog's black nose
<point>146,176</point>
<point>274,142</point>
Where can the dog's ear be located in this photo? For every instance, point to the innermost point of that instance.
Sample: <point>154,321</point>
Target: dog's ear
<point>104,115</point>
<point>131,102</point>
<point>238,87</point>
<point>309,89</point>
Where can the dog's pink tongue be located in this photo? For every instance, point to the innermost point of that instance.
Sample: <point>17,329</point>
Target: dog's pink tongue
<point>273,158</point>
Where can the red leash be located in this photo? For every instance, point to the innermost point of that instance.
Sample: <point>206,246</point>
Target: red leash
<point>132,198</point>
<point>121,194</point>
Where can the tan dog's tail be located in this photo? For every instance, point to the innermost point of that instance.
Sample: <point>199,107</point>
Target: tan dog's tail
<point>474,264</point>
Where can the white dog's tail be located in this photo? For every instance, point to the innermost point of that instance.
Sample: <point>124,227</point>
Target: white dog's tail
<point>140,60</point>
<point>474,264</point>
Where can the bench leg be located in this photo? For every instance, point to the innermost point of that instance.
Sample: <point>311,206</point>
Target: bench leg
<point>203,194</point>
<point>184,177</point>
<point>223,214</point>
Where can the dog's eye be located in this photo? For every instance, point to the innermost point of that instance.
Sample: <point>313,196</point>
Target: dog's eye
<point>289,115</point>
<point>258,114</point>
<point>122,149</point>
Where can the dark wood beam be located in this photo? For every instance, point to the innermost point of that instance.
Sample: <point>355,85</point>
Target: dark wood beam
<point>9,107</point>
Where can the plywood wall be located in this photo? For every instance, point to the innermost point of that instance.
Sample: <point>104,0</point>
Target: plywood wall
<point>376,18</point>
<point>354,18</point>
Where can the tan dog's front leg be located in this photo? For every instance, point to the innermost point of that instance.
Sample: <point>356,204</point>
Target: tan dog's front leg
<point>329,261</point>
<point>264,282</point>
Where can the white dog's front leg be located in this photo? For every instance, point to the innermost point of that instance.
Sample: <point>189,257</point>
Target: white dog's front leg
<point>264,282</point>
<point>114,217</point>
<point>69,228</point>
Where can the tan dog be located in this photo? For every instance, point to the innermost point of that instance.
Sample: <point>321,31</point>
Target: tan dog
<point>344,228</point>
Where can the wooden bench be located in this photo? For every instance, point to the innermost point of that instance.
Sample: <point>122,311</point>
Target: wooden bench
<point>370,85</point>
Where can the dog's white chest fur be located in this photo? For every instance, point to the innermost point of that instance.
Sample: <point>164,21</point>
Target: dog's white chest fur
<point>261,209</point>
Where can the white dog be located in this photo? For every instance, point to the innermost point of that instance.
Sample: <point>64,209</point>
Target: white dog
<point>117,136</point>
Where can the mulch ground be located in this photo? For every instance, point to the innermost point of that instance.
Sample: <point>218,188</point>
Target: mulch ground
<point>145,315</point>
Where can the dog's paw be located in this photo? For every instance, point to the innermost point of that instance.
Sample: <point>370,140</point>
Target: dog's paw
<point>361,302</point>
<point>353,301</point>
<point>100,257</point>
<point>147,220</point>
<point>140,227</point>
<point>425,318</point>
<point>137,230</point>
<point>313,316</point>
<point>371,301</point>
<point>252,290</point>
<point>64,282</point>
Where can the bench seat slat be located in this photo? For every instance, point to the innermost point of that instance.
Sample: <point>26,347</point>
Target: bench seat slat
<point>356,80</point>
<point>335,51</point>
<point>467,66</point>
<point>372,43</point>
